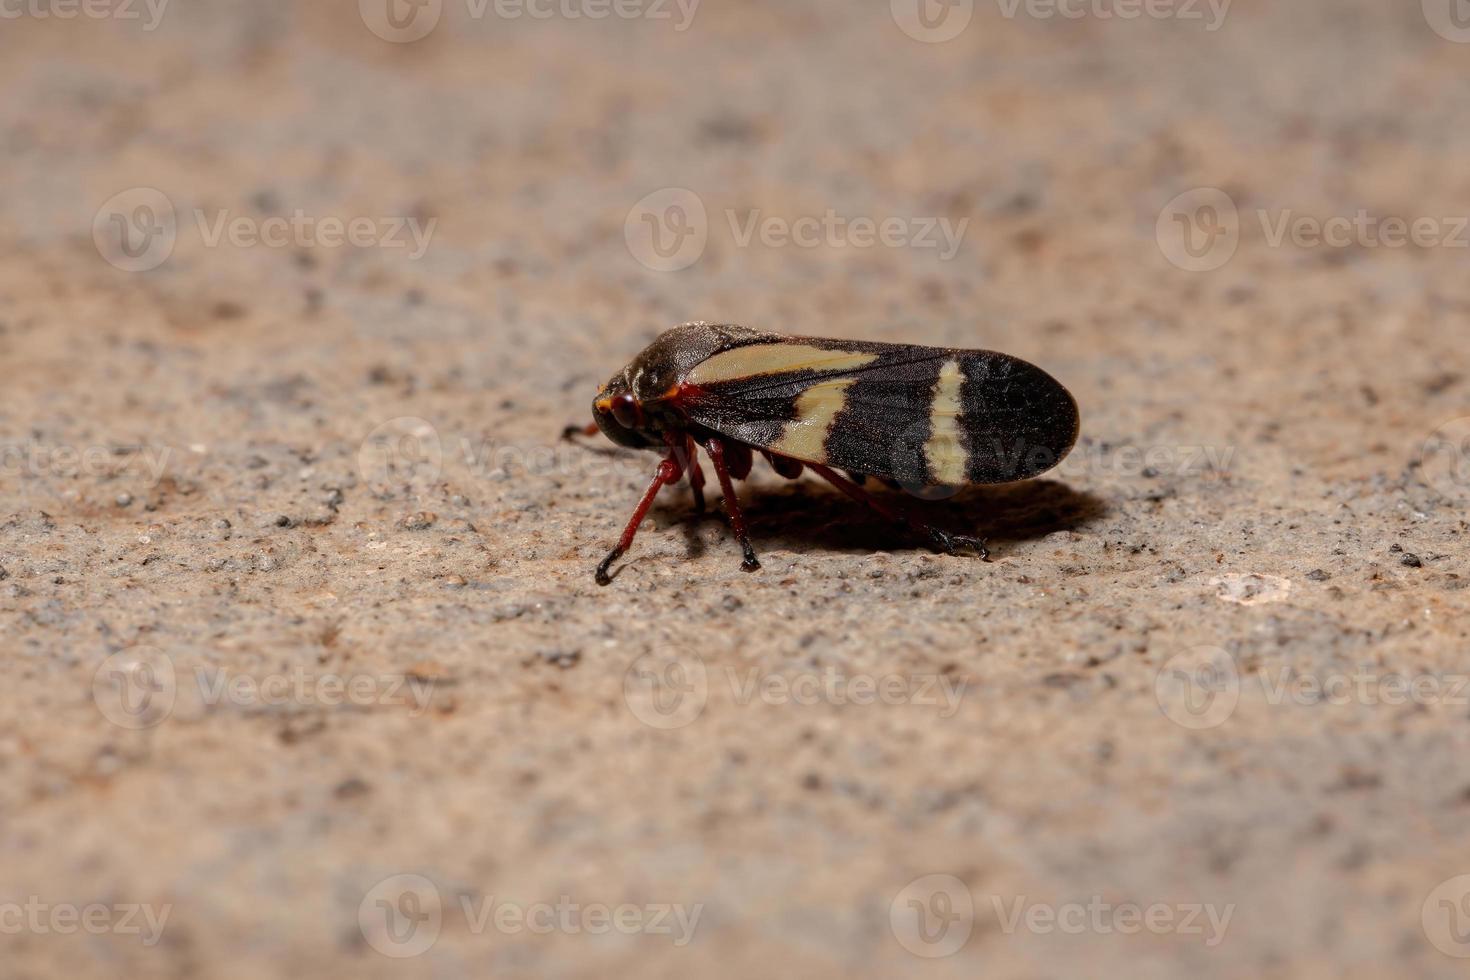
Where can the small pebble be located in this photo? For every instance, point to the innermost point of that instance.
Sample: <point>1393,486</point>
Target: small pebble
<point>427,670</point>
<point>565,659</point>
<point>351,788</point>
<point>124,499</point>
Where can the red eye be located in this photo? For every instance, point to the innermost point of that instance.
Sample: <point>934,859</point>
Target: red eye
<point>627,411</point>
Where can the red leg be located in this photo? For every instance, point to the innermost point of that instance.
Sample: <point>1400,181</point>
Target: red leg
<point>943,540</point>
<point>696,476</point>
<point>667,472</point>
<point>784,465</point>
<point>737,460</point>
<point>716,448</point>
<point>590,429</point>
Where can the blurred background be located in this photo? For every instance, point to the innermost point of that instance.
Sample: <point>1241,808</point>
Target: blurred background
<point>308,673</point>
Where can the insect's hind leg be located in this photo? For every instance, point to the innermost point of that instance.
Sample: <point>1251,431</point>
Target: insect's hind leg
<point>945,541</point>
<point>717,449</point>
<point>667,472</point>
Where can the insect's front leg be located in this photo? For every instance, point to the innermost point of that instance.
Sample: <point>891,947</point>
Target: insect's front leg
<point>696,476</point>
<point>590,429</point>
<point>718,451</point>
<point>668,472</point>
<point>943,540</point>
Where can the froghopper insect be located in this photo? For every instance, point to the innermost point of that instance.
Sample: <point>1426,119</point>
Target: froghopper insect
<point>921,418</point>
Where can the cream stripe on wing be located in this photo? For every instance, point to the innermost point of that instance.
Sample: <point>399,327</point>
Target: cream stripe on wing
<point>805,437</point>
<point>947,456</point>
<point>756,359</point>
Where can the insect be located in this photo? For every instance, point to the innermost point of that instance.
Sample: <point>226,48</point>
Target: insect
<point>924,418</point>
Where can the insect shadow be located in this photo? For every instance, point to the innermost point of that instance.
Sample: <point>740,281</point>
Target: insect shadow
<point>804,516</point>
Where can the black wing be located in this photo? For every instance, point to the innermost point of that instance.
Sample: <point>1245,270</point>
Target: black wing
<point>923,416</point>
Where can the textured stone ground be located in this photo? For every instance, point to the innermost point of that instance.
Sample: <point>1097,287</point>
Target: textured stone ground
<point>296,578</point>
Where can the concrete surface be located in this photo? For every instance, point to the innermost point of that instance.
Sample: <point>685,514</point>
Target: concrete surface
<point>297,579</point>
